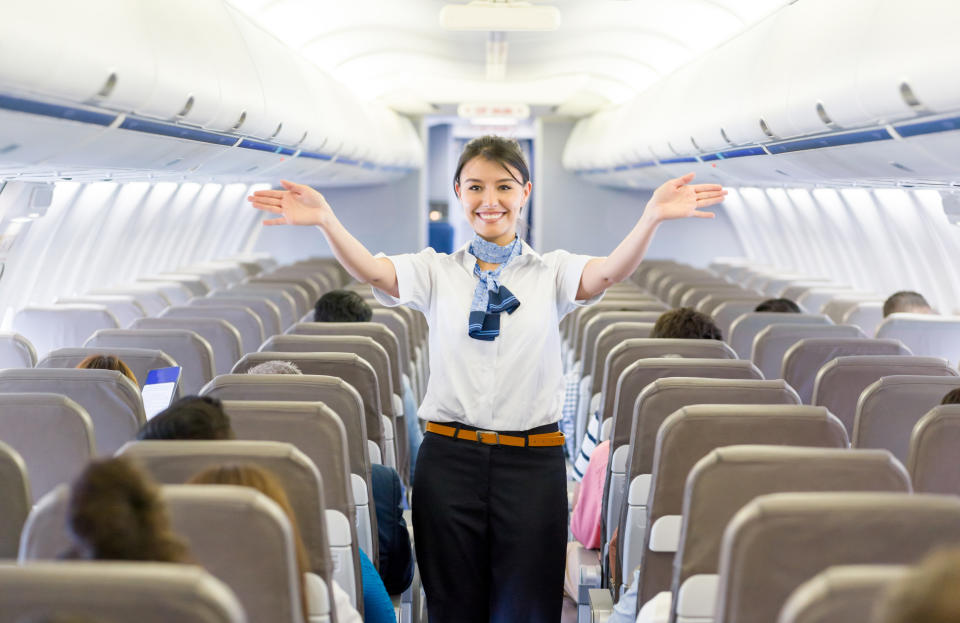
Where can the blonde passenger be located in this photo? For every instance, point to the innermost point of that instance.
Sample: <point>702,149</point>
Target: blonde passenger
<point>929,594</point>
<point>108,362</point>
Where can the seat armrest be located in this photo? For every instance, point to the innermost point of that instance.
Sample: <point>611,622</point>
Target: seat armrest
<point>601,605</point>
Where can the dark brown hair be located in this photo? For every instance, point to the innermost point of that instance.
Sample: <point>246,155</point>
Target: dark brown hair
<point>504,151</point>
<point>115,513</point>
<point>905,301</point>
<point>783,306</point>
<point>108,362</point>
<point>952,397</point>
<point>685,323</point>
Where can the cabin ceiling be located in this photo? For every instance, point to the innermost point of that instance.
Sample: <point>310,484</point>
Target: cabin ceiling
<point>604,53</point>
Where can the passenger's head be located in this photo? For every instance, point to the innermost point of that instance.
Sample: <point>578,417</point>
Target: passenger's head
<point>275,367</point>
<point>492,181</point>
<point>265,482</point>
<point>907,302</point>
<point>952,397</point>
<point>342,306</point>
<point>685,323</point>
<point>778,305</point>
<point>115,513</point>
<point>107,362</point>
<point>929,594</point>
<point>191,417</point>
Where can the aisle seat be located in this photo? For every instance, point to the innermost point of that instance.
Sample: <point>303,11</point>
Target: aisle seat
<point>586,349</point>
<point>582,315</point>
<point>841,594</point>
<point>17,499</point>
<point>110,399</point>
<point>934,448</point>
<point>889,408</point>
<point>925,334</point>
<point>223,337</point>
<point>772,343</point>
<point>139,360</point>
<point>51,433</point>
<point>267,310</point>
<point>51,327</point>
<point>240,317</point>
<point>16,351</point>
<point>746,327</point>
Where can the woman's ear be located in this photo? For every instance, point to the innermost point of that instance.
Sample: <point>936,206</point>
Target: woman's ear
<point>456,189</point>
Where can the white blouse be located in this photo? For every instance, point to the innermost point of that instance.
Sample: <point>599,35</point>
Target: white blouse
<point>514,382</point>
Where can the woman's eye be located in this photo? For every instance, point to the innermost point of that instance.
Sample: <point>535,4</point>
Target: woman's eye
<point>505,187</point>
<point>474,187</point>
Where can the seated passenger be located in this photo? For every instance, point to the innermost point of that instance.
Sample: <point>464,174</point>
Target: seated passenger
<point>785,306</point>
<point>191,417</point>
<point>310,584</point>
<point>108,362</point>
<point>115,513</point>
<point>906,302</point>
<point>952,397</point>
<point>929,594</point>
<point>348,306</point>
<point>275,367</point>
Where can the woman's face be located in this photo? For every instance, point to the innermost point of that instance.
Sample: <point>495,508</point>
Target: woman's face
<point>492,199</point>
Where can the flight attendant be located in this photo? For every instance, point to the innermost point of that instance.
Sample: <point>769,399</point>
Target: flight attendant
<point>489,492</point>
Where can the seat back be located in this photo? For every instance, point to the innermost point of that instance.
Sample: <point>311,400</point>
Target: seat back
<point>398,326</point>
<point>814,299</point>
<point>195,284</point>
<point>15,493</point>
<point>52,433</point>
<point>148,592</point>
<point>124,307</point>
<point>586,349</point>
<point>335,393</point>
<point>240,317</point>
<point>139,360</point>
<point>745,328</point>
<point>728,478</point>
<point>847,528</point>
<point>56,326</point>
<point>285,303</point>
<point>686,437</point>
<point>110,399</point>
<point>728,312</point>
<point>175,292</point>
<point>16,351</point>
<point>925,334</point>
<point>934,447</point>
<point>297,292</point>
<point>889,408</point>
<point>772,343</point>
<point>840,594</point>
<point>582,316</point>
<point>187,348</point>
<point>838,308</point>
<point>265,309</point>
<point>223,337</point>
<point>692,296</point>
<point>867,315</point>
<point>607,340</point>
<point>802,363</point>
<point>841,381</point>
<point>151,299</point>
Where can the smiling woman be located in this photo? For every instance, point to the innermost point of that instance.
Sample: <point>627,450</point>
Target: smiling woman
<point>489,493</point>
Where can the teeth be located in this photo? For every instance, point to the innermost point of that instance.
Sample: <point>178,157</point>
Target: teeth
<point>487,216</point>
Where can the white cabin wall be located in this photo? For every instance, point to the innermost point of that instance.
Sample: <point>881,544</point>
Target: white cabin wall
<point>573,214</point>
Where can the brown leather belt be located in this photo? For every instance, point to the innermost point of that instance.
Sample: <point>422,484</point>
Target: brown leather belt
<point>494,438</point>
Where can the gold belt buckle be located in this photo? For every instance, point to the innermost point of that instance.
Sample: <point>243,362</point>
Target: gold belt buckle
<point>481,433</point>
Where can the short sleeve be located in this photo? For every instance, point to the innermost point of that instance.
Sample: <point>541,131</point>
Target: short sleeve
<point>415,279</point>
<point>569,269</point>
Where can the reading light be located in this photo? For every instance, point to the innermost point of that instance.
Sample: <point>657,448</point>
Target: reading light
<point>504,15</point>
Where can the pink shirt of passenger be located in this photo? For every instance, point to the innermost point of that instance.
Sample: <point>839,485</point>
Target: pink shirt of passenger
<point>585,522</point>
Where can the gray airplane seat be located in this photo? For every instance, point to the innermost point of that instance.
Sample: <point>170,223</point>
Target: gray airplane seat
<point>725,308</point>
<point>237,534</point>
<point>365,443</point>
<point>685,437</point>
<point>265,309</point>
<point>867,315</point>
<point>151,299</point>
<point>110,399</point>
<point>175,292</point>
<point>240,317</point>
<point>925,334</point>
<point>139,360</point>
<point>679,291</point>
<point>803,362</point>
<point>934,447</point>
<point>745,328</point>
<point>325,533</point>
<point>310,285</point>
<point>314,429</point>
<point>52,433</point>
<point>15,493</point>
<point>16,351</point>
<point>632,458</point>
<point>889,408</point>
<point>223,337</point>
<point>772,343</point>
<point>692,296</point>
<point>124,307</point>
<point>841,594</point>
<point>728,478</point>
<point>285,304</point>
<point>56,326</point>
<point>587,348</point>
<point>190,285</point>
<point>839,384</point>
<point>814,299</point>
<point>580,317</point>
<point>106,591</point>
<point>187,348</point>
<point>814,531</point>
<point>300,295</point>
<point>839,308</point>
<point>397,325</point>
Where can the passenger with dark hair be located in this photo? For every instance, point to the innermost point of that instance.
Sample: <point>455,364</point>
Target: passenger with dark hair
<point>906,302</point>
<point>685,323</point>
<point>930,593</point>
<point>115,513</point>
<point>342,306</point>
<point>952,397</point>
<point>784,306</point>
<point>191,417</point>
<point>491,409</point>
<point>108,362</point>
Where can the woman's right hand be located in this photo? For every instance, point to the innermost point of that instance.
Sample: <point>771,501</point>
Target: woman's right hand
<point>297,205</point>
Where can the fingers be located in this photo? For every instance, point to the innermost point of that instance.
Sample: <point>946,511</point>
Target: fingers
<point>703,188</point>
<point>711,195</point>
<point>700,214</point>
<point>273,209</point>
<point>686,179</point>
<point>275,221</point>
<point>703,203</point>
<point>293,187</point>
<point>274,194</point>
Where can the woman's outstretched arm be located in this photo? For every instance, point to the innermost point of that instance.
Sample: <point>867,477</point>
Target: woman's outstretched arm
<point>302,205</point>
<point>676,198</point>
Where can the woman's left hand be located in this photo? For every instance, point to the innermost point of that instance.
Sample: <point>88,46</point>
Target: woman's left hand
<point>677,198</point>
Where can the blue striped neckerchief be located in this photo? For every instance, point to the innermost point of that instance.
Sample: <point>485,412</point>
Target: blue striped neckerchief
<point>490,297</point>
